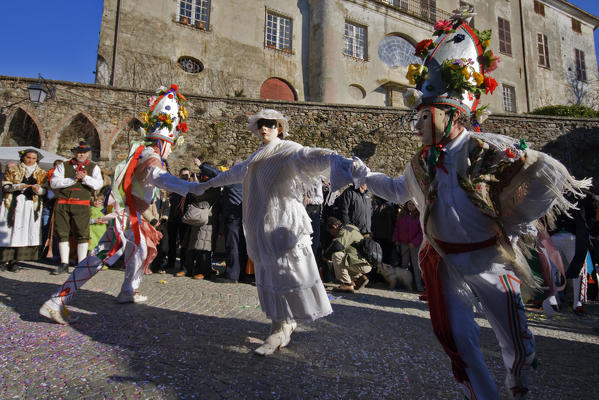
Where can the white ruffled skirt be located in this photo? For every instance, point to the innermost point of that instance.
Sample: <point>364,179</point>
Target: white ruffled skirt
<point>289,287</point>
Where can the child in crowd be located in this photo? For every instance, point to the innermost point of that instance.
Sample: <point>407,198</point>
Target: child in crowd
<point>97,222</point>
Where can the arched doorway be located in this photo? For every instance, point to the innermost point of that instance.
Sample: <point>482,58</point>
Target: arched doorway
<point>80,128</point>
<point>22,131</point>
<point>277,89</point>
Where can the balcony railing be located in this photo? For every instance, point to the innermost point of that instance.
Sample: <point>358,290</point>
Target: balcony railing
<point>426,10</point>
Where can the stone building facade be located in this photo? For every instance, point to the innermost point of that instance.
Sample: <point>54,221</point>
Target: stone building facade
<point>109,117</point>
<point>339,51</point>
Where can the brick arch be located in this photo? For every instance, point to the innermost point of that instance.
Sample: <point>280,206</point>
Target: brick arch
<point>29,133</point>
<point>277,89</point>
<point>78,125</point>
<point>121,138</point>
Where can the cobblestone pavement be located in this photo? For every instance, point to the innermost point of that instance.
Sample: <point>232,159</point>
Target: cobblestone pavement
<point>194,340</point>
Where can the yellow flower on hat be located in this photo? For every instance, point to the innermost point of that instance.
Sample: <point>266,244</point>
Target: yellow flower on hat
<point>478,77</point>
<point>414,70</point>
<point>145,117</point>
<point>486,43</point>
<point>183,112</point>
<point>466,72</point>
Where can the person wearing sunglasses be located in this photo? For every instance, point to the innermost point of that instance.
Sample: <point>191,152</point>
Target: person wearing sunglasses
<point>277,228</point>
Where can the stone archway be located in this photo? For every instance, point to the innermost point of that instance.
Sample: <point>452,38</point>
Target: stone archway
<point>22,131</point>
<point>277,89</point>
<point>80,128</point>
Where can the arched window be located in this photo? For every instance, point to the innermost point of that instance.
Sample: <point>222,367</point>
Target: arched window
<point>277,89</point>
<point>396,51</point>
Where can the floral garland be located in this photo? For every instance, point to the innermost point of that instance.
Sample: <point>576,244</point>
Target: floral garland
<point>459,74</point>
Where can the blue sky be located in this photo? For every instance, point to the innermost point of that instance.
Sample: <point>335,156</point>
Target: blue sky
<point>59,38</point>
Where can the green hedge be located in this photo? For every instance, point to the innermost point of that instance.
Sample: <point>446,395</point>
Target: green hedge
<point>567,111</point>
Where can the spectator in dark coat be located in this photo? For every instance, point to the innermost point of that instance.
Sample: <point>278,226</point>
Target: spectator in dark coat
<point>177,229</point>
<point>384,215</point>
<point>236,255</point>
<point>200,240</point>
<point>355,207</point>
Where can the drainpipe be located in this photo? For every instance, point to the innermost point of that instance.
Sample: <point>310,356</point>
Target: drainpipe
<point>116,40</point>
<point>524,57</point>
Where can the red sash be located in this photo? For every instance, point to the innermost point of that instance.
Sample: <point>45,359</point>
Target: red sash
<point>129,196</point>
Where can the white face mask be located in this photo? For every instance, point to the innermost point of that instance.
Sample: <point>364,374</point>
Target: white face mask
<point>268,134</point>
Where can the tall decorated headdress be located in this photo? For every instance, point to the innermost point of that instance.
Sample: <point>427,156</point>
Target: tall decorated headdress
<point>456,67</point>
<point>165,118</point>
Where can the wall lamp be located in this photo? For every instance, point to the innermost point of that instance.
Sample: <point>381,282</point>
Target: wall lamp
<point>39,90</point>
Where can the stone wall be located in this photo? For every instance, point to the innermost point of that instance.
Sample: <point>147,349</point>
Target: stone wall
<point>107,117</point>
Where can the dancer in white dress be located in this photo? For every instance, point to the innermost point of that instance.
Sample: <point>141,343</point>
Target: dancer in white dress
<point>277,228</point>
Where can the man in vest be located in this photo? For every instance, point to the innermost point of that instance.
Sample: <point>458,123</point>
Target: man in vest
<point>74,183</point>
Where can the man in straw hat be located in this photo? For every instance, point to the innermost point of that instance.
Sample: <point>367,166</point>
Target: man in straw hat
<point>136,184</point>
<point>479,196</point>
<point>74,183</point>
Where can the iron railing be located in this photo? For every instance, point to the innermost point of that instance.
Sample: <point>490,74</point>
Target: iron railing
<point>426,10</point>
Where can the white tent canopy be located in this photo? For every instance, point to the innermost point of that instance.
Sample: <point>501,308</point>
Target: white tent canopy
<point>12,154</point>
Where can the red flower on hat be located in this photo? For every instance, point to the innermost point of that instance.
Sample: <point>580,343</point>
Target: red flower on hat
<point>170,95</point>
<point>174,87</point>
<point>183,126</point>
<point>423,46</point>
<point>442,25</point>
<point>490,85</point>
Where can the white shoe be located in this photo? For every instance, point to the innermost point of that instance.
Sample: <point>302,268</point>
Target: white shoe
<point>59,315</point>
<point>134,297</point>
<point>280,337</point>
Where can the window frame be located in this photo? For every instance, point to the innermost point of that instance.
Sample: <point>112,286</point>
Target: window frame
<point>511,98</point>
<point>580,63</point>
<point>539,8</point>
<point>428,10</point>
<point>576,26</point>
<point>280,42</point>
<point>543,51</point>
<point>353,53</point>
<point>505,36</point>
<point>189,15</point>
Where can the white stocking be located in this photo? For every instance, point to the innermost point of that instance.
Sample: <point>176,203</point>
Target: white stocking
<point>64,250</point>
<point>81,251</point>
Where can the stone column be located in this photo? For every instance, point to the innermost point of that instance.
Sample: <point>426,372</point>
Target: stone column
<point>326,51</point>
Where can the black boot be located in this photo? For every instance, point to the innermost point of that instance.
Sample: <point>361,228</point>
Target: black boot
<point>3,266</point>
<point>61,269</point>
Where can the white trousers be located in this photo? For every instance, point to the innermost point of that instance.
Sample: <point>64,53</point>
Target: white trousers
<point>498,291</point>
<point>113,244</point>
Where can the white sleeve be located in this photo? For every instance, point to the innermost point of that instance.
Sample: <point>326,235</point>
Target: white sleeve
<point>162,179</point>
<point>312,161</point>
<point>58,179</point>
<point>235,174</point>
<point>390,189</point>
<point>95,181</point>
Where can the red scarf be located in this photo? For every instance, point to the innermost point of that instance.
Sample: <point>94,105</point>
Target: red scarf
<point>79,166</point>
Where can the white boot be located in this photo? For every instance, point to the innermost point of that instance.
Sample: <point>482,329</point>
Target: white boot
<point>81,251</point>
<point>57,313</point>
<point>64,250</point>
<point>280,336</point>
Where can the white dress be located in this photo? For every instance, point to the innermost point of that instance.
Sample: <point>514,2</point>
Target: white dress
<point>277,227</point>
<point>26,228</point>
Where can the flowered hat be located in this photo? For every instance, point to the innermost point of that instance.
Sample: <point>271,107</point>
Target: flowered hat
<point>164,120</point>
<point>456,67</point>
<point>269,114</point>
